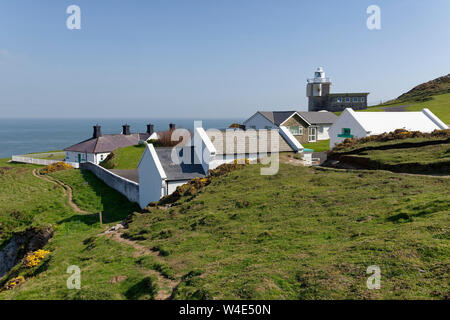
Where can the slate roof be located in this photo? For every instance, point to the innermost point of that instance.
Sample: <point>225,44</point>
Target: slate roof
<point>107,143</point>
<point>318,117</point>
<point>278,117</point>
<point>175,171</point>
<point>243,141</point>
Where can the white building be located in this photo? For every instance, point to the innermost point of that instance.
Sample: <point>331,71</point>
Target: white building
<point>99,146</point>
<point>162,170</point>
<point>353,124</point>
<point>304,126</point>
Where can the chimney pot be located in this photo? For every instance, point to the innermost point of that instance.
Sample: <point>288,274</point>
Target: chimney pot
<point>172,126</point>
<point>150,129</point>
<point>126,129</point>
<point>97,131</point>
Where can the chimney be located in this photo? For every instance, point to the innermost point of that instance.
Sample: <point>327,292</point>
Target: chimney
<point>172,126</point>
<point>97,131</point>
<point>150,129</point>
<point>126,129</point>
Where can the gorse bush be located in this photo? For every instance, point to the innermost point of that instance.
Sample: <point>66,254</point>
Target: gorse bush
<point>58,166</point>
<point>398,134</point>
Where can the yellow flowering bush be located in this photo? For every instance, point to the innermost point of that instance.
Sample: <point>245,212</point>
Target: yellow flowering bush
<point>14,283</point>
<point>58,166</point>
<point>33,259</point>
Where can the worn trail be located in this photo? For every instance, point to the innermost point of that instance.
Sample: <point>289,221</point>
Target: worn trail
<point>66,189</point>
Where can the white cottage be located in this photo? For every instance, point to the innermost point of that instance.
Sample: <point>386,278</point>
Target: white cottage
<point>99,146</point>
<point>353,124</point>
<point>162,170</point>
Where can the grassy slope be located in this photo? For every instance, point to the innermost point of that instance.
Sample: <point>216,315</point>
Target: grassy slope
<point>303,233</point>
<point>125,158</point>
<point>422,155</point>
<point>439,105</point>
<point>306,233</point>
<point>75,241</point>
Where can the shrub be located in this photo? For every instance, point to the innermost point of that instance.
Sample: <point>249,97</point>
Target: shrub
<point>398,134</point>
<point>58,166</point>
<point>14,283</point>
<point>33,259</point>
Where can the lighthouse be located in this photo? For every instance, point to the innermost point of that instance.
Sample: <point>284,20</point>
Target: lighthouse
<point>317,90</point>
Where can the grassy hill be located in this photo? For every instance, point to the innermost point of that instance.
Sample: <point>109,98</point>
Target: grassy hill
<point>124,158</point>
<point>304,233</point>
<point>402,151</point>
<point>434,95</point>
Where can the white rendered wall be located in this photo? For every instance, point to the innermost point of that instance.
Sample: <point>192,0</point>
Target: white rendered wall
<point>151,177</point>
<point>345,120</point>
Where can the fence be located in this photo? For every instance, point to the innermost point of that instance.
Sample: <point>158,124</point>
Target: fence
<point>43,162</point>
<point>128,188</point>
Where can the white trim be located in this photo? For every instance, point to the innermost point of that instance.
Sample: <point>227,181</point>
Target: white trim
<point>435,119</point>
<point>150,148</point>
<point>295,113</point>
<point>291,140</point>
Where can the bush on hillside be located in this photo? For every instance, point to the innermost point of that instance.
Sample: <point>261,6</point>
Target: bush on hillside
<point>58,166</point>
<point>398,134</point>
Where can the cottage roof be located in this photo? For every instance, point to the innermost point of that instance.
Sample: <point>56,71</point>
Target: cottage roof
<point>107,143</point>
<point>237,141</point>
<point>179,171</point>
<point>278,117</point>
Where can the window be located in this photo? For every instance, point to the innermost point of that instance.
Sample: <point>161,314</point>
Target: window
<point>339,99</point>
<point>253,127</point>
<point>321,130</point>
<point>355,99</point>
<point>312,134</point>
<point>296,130</point>
<point>347,99</point>
<point>362,99</point>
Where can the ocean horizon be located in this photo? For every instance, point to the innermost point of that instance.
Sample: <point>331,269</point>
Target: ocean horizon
<point>22,136</point>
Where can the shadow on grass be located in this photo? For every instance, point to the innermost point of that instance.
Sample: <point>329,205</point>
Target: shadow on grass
<point>146,289</point>
<point>116,207</point>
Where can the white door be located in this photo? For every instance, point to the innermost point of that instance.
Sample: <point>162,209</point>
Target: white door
<point>312,134</point>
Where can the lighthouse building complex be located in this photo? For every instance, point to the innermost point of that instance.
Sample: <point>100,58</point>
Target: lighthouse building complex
<point>318,91</point>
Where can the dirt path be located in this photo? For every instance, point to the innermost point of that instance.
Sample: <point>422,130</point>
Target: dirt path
<point>166,286</point>
<point>66,189</point>
<point>396,108</point>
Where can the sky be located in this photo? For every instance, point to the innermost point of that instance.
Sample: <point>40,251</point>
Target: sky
<point>210,58</point>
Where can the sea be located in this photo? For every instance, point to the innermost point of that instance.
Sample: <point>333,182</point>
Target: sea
<point>22,136</point>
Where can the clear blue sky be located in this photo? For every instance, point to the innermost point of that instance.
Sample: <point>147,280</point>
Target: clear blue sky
<point>210,58</point>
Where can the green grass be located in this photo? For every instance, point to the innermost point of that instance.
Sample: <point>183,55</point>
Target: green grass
<point>28,201</point>
<point>306,234</point>
<point>48,155</point>
<point>319,146</point>
<point>124,158</point>
<point>422,155</point>
<point>439,105</point>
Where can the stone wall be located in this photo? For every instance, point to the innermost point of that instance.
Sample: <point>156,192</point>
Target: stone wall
<point>128,188</point>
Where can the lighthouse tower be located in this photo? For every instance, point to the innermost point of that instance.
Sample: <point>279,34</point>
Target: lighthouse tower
<point>317,90</point>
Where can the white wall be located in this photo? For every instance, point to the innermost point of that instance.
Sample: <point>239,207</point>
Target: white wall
<point>72,156</point>
<point>325,135</point>
<point>151,177</point>
<point>259,122</point>
<point>345,120</point>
